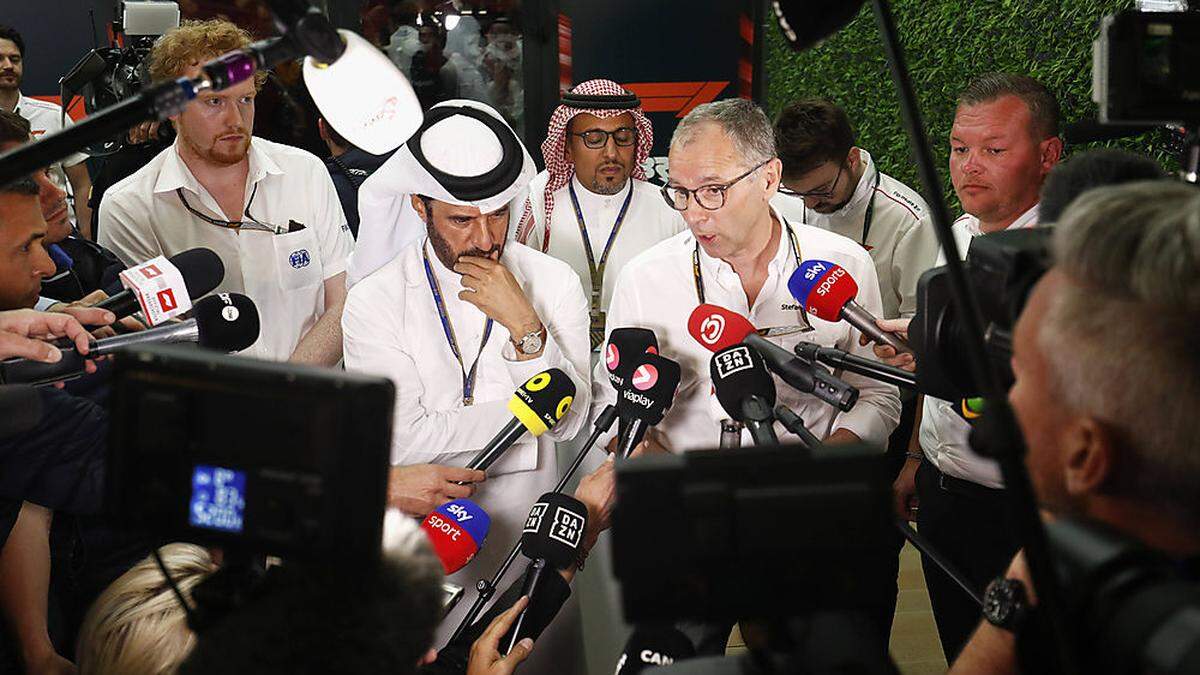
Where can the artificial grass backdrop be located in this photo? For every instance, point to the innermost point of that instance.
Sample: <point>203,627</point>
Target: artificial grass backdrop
<point>946,44</point>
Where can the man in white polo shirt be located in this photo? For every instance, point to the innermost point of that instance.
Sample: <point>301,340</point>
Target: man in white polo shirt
<point>44,117</point>
<point>270,211</point>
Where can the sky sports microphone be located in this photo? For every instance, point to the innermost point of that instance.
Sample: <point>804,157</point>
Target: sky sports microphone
<point>456,530</point>
<point>226,322</point>
<point>644,399</point>
<point>202,271</point>
<point>551,539</point>
<point>827,291</point>
<point>745,389</point>
<point>717,328</point>
<point>653,646</point>
<point>536,406</point>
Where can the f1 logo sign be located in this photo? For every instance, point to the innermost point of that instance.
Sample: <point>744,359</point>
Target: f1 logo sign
<point>151,271</point>
<point>644,377</point>
<point>612,356</point>
<point>712,328</point>
<point>166,300</point>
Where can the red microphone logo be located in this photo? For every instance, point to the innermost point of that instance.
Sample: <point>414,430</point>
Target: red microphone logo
<point>151,271</point>
<point>612,357</point>
<point>645,377</point>
<point>712,328</point>
<point>166,300</point>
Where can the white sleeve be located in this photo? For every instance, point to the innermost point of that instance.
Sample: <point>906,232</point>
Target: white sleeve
<point>374,342</point>
<point>132,241</point>
<point>329,223</point>
<point>915,252</point>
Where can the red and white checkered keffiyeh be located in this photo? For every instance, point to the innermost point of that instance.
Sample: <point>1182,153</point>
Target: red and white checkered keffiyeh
<point>554,148</point>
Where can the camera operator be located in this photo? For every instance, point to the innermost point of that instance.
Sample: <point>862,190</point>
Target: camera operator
<point>1112,440</point>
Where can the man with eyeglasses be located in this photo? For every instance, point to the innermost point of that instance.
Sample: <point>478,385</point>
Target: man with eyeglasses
<point>270,211</point>
<point>606,211</point>
<point>833,184</point>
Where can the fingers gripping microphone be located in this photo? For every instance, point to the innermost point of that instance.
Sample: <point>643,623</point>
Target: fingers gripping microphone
<point>652,646</point>
<point>536,406</point>
<point>717,328</point>
<point>745,390</point>
<point>202,271</point>
<point>827,291</point>
<point>226,322</point>
<point>456,530</point>
<point>644,400</point>
<point>551,539</point>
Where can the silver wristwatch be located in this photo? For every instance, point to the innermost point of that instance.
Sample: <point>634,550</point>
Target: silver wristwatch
<point>530,343</point>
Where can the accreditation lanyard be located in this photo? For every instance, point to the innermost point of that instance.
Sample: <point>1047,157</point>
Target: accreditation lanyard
<point>597,270</point>
<point>700,279</point>
<point>870,215</point>
<point>468,378</point>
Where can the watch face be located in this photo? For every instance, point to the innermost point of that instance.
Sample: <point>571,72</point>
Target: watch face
<point>1000,601</point>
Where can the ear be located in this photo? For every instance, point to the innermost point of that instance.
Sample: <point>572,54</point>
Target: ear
<point>429,657</point>
<point>1087,454</point>
<point>419,207</point>
<point>772,171</point>
<point>854,157</point>
<point>1052,149</point>
<point>323,129</point>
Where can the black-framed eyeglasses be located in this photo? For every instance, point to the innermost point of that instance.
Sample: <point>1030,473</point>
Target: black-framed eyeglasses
<point>598,138</point>
<point>248,222</point>
<point>709,197</point>
<point>816,194</point>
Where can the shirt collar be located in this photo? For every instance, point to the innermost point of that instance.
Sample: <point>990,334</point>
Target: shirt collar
<point>723,272</point>
<point>1027,219</point>
<point>864,190</point>
<point>590,202</point>
<point>175,174</point>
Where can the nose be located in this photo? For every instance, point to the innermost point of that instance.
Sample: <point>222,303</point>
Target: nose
<point>49,192</point>
<point>609,150</point>
<point>481,236</point>
<point>43,266</point>
<point>970,163</point>
<point>694,214</point>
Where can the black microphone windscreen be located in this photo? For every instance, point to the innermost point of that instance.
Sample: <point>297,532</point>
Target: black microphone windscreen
<point>626,345</point>
<point>202,270</point>
<point>653,646</point>
<point>227,322</point>
<point>554,529</point>
<point>650,389</point>
<point>739,372</point>
<point>804,23</point>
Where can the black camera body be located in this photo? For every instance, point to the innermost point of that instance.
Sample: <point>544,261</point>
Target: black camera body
<point>1144,68</point>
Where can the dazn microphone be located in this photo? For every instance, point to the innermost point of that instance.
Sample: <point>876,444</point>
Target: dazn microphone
<point>536,406</point>
<point>653,646</point>
<point>745,389</point>
<point>456,530</point>
<point>202,271</point>
<point>226,322</point>
<point>827,291</point>
<point>644,400</point>
<point>717,328</point>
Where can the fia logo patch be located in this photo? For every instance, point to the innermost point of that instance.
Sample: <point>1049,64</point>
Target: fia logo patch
<point>299,258</point>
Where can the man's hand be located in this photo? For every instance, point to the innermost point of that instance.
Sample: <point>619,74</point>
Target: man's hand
<point>485,653</point>
<point>81,308</point>
<point>144,132</point>
<point>842,436</point>
<point>598,491</point>
<point>904,490</point>
<point>888,354</point>
<point>22,332</point>
<point>495,291</point>
<point>420,488</point>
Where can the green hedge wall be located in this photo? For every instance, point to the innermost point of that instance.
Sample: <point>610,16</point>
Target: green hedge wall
<point>946,43</point>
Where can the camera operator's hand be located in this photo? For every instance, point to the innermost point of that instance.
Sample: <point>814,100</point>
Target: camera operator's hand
<point>420,488</point>
<point>886,353</point>
<point>485,653</point>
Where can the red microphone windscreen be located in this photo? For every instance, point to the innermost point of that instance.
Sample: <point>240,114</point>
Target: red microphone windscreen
<point>452,543</point>
<point>717,328</point>
<point>823,287</point>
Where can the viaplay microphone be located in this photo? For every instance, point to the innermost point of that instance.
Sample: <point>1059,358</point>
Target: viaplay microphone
<point>653,646</point>
<point>717,328</point>
<point>456,530</point>
<point>645,398</point>
<point>202,271</point>
<point>536,406</point>
<point>624,351</point>
<point>745,389</point>
<point>827,291</point>
<point>551,539</point>
<point>226,322</point>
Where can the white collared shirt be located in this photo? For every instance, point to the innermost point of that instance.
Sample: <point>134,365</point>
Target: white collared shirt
<point>391,328</point>
<point>657,290</point>
<point>142,217</point>
<point>901,241</point>
<point>47,118</point>
<point>944,433</point>
<point>648,221</point>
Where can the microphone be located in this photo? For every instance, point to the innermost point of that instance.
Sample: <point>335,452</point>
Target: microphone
<point>551,539</point>
<point>745,390</point>
<point>649,392</point>
<point>717,328</point>
<point>827,291</point>
<point>804,23</point>
<point>652,646</point>
<point>202,271</point>
<point>456,530</point>
<point>855,364</point>
<point>625,347</point>
<point>792,422</point>
<point>536,406</point>
<point>226,322</point>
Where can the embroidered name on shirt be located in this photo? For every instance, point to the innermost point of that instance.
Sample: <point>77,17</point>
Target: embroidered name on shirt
<point>299,258</point>
<point>790,307</point>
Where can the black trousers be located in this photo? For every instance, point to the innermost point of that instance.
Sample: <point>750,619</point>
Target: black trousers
<point>969,525</point>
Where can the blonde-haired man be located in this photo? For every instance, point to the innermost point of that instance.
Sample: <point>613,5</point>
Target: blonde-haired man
<point>270,211</point>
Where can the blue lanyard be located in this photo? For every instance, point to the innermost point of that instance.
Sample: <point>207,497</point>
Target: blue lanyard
<point>468,378</point>
<point>597,271</point>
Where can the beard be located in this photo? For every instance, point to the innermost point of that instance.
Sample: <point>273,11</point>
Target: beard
<point>227,153</point>
<point>446,253</point>
<point>10,81</point>
<point>604,185</point>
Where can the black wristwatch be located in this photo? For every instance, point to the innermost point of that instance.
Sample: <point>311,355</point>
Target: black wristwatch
<point>1005,603</point>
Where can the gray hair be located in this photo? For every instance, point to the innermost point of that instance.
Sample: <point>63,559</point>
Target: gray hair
<point>1121,335</point>
<point>742,120</point>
